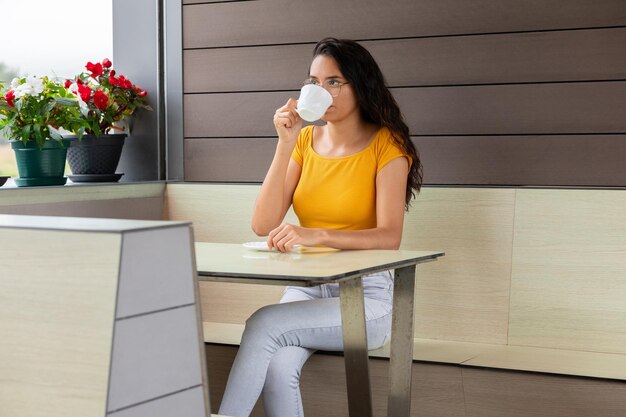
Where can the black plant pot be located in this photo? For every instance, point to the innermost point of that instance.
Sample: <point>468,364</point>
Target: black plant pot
<point>95,158</point>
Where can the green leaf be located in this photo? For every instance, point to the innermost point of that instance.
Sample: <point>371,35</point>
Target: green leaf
<point>69,102</point>
<point>47,108</point>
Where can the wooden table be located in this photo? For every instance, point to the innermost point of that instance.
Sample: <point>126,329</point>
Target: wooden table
<point>234,263</point>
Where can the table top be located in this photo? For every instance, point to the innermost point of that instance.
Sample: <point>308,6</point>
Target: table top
<point>233,262</point>
<point>83,224</point>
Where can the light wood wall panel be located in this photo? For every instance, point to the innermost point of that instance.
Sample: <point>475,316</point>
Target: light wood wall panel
<point>206,205</point>
<point>569,270</point>
<point>466,296</point>
<point>285,21</point>
<point>594,54</point>
<point>225,302</point>
<point>586,107</point>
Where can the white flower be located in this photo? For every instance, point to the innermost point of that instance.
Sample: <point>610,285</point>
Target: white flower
<point>36,84</point>
<point>33,85</point>
<point>23,90</point>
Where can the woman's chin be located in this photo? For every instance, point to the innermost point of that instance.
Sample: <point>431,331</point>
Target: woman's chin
<point>328,116</point>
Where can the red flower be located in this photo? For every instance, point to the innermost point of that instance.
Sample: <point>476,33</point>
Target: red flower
<point>143,93</point>
<point>95,69</point>
<point>114,81</point>
<point>84,91</point>
<point>79,81</point>
<point>9,97</point>
<point>112,72</point>
<point>67,83</point>
<point>100,99</point>
<point>106,63</point>
<point>124,83</point>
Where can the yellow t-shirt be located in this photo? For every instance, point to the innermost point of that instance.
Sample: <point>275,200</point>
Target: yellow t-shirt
<point>340,193</point>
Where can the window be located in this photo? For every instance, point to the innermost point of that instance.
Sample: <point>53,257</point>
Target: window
<point>54,38</point>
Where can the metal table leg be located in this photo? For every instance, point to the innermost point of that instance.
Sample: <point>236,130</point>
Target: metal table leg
<point>401,356</point>
<point>355,347</point>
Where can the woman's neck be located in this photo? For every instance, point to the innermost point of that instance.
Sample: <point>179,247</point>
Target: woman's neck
<point>344,138</point>
<point>349,132</point>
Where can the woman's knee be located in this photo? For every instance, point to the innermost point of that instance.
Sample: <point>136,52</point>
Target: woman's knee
<point>262,318</point>
<point>262,324</point>
<point>286,366</point>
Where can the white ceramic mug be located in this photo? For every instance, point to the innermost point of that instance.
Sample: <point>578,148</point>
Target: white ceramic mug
<point>313,102</point>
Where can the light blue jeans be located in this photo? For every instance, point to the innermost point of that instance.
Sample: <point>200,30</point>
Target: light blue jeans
<point>278,340</point>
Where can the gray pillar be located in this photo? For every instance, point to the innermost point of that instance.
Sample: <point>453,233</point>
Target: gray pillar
<point>174,89</point>
<point>136,55</point>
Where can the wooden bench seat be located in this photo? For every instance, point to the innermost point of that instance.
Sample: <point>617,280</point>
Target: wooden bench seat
<point>525,316</point>
<point>485,355</point>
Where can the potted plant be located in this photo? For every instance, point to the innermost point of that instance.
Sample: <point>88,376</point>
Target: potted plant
<point>31,110</point>
<point>106,104</point>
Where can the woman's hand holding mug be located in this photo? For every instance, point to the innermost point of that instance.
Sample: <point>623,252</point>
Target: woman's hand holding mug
<point>287,122</point>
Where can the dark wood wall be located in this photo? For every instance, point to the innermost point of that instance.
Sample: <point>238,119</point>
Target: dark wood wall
<point>498,92</point>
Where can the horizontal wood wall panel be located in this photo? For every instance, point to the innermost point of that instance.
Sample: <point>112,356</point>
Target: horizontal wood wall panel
<point>576,55</point>
<point>586,107</point>
<point>209,1</point>
<point>437,392</point>
<point>441,390</point>
<point>286,21</point>
<point>490,393</point>
<point>582,160</point>
<point>238,159</point>
<point>515,109</point>
<point>560,160</point>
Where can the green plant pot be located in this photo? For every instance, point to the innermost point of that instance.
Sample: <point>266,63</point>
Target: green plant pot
<point>40,166</point>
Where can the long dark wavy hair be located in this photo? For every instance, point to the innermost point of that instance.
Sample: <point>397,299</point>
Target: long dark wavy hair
<point>376,103</point>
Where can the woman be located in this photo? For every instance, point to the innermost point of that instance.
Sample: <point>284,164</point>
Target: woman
<point>349,182</point>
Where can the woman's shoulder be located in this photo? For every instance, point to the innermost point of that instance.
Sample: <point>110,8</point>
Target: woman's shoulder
<point>307,131</point>
<point>306,135</point>
<point>384,138</point>
<point>387,146</point>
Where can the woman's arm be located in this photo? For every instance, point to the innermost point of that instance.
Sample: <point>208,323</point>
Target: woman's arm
<point>390,197</point>
<point>283,175</point>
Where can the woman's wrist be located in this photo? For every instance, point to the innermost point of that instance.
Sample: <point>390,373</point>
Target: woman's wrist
<point>284,147</point>
<point>321,237</point>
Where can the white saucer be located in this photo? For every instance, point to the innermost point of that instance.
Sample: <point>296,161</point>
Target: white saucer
<point>262,247</point>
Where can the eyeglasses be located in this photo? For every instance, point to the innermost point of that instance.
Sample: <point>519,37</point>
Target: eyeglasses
<point>332,86</point>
